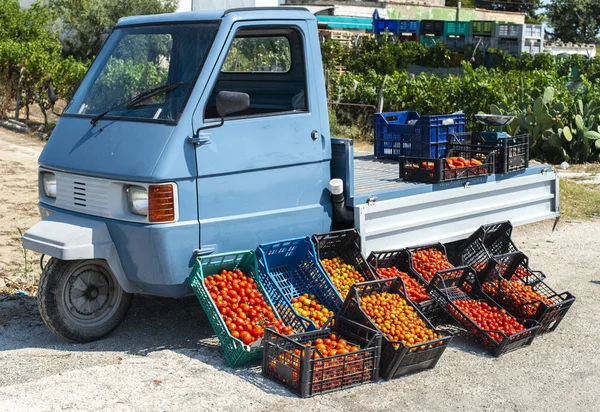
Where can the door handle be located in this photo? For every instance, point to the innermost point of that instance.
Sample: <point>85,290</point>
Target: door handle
<point>200,139</point>
<point>314,135</point>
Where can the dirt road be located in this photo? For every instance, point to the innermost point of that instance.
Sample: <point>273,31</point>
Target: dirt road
<point>18,207</point>
<point>165,357</point>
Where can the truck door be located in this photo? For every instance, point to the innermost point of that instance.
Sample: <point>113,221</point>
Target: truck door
<point>262,176</point>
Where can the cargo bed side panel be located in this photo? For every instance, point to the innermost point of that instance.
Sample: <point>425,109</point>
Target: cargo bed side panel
<point>453,214</point>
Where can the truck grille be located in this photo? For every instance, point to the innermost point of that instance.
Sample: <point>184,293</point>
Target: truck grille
<point>82,194</point>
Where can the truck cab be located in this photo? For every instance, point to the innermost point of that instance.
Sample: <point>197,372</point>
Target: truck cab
<point>199,133</point>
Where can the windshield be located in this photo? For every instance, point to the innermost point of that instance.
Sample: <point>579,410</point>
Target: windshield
<point>138,59</point>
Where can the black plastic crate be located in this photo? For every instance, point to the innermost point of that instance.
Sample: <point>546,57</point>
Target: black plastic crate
<point>396,359</point>
<point>486,242</point>
<point>400,259</point>
<point>453,285</point>
<point>287,360</point>
<point>432,27</point>
<point>507,278</point>
<point>511,153</point>
<point>430,170</point>
<point>412,250</point>
<point>344,244</point>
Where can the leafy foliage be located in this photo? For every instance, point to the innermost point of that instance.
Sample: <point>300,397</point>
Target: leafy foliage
<point>30,57</point>
<point>575,20</point>
<point>251,54</point>
<point>87,23</point>
<point>512,85</point>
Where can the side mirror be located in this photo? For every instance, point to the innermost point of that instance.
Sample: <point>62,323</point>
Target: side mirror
<point>231,102</point>
<point>227,103</point>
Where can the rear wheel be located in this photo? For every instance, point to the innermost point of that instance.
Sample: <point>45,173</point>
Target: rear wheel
<point>80,300</point>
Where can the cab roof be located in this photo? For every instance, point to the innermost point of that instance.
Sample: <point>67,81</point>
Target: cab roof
<point>250,13</point>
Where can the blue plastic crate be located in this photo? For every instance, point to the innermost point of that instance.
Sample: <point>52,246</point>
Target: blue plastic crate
<point>408,26</point>
<point>389,130</point>
<point>414,145</point>
<point>440,127</point>
<point>426,136</point>
<point>396,26</point>
<point>288,269</point>
<point>380,25</point>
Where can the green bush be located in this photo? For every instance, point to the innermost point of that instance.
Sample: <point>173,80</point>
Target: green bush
<point>510,82</point>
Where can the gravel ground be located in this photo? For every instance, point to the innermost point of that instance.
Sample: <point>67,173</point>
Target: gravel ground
<point>165,357</point>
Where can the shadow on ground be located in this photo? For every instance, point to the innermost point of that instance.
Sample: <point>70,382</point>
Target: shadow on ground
<point>152,324</point>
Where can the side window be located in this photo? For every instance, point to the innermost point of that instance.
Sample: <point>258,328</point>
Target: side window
<point>259,54</point>
<point>268,65</point>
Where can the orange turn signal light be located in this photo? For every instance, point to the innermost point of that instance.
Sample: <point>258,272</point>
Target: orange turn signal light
<point>161,203</point>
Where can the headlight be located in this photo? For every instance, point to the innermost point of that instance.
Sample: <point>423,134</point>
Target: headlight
<point>49,183</point>
<point>137,200</point>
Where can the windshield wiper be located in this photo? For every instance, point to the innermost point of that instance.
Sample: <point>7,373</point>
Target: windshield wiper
<point>137,99</point>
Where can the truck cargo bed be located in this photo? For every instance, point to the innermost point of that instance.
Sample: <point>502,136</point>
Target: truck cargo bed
<point>372,175</point>
<point>390,213</point>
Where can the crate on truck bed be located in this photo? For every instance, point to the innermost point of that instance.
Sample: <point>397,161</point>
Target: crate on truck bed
<point>511,153</point>
<point>409,134</point>
<point>459,164</point>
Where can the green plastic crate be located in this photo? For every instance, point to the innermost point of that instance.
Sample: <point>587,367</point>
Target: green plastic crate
<point>482,27</point>
<point>457,28</point>
<point>235,352</point>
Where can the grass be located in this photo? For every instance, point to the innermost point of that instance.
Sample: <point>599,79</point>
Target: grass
<point>578,201</point>
<point>592,168</point>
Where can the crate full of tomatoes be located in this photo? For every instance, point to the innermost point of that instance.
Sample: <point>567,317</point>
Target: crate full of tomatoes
<point>344,355</point>
<point>235,303</point>
<point>427,260</point>
<point>396,264</point>
<point>459,165</point>
<point>500,332</point>
<point>508,280</point>
<point>410,342</point>
<point>339,254</point>
<point>299,288</point>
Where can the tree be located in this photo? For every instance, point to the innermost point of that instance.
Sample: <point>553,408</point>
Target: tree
<point>30,57</point>
<point>529,7</point>
<point>575,20</point>
<point>87,23</point>
<point>467,4</point>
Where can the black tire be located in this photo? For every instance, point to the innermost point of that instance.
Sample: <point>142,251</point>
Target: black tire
<point>58,308</point>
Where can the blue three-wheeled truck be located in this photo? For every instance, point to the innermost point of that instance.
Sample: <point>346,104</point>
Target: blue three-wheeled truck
<point>186,138</point>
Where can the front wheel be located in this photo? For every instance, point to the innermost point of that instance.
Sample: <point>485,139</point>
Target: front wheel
<point>80,300</point>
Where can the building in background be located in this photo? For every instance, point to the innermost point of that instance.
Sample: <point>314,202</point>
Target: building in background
<point>558,48</point>
<point>404,9</point>
<point>197,5</point>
